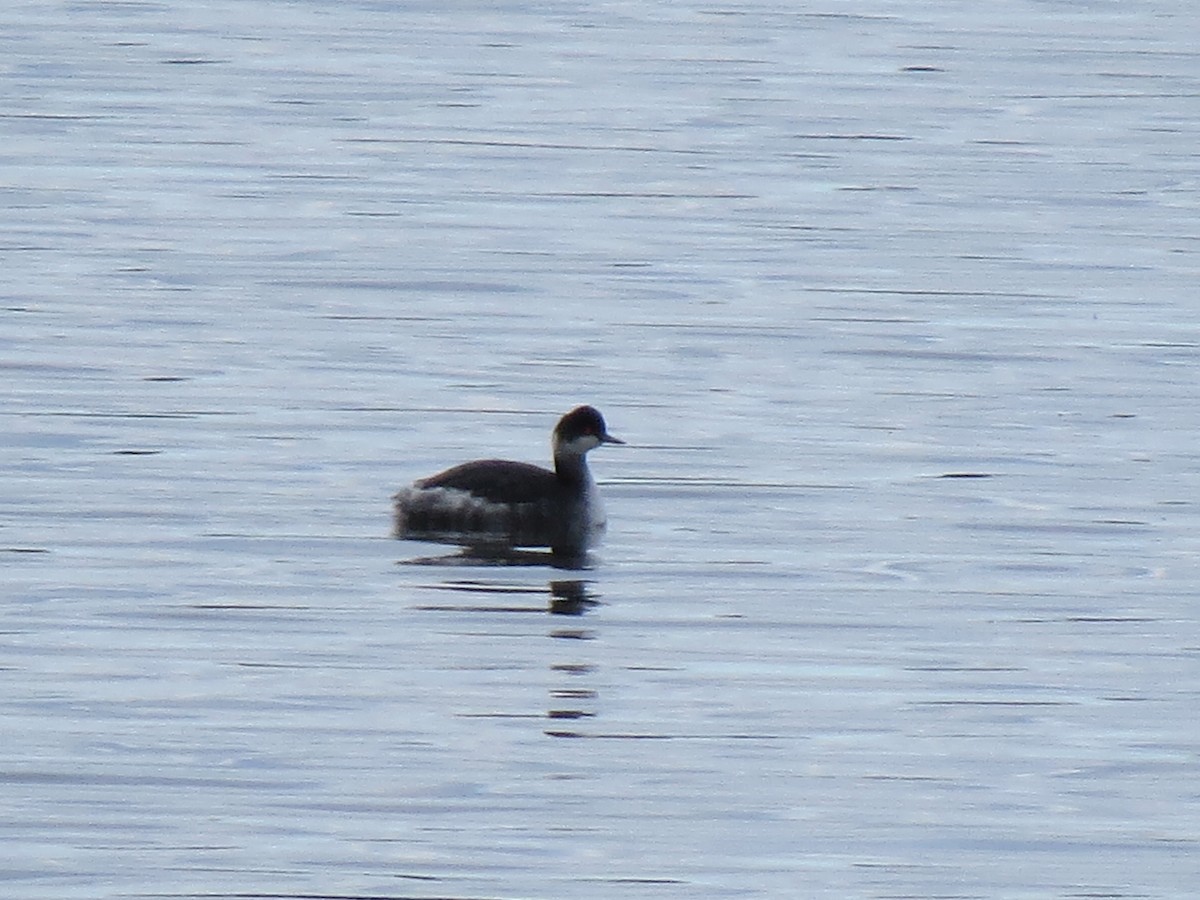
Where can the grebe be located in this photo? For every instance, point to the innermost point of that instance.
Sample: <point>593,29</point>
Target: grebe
<point>493,502</point>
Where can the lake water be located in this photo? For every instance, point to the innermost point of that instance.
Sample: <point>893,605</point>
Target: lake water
<point>895,304</point>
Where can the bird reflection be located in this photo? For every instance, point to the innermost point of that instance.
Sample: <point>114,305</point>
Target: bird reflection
<point>567,598</point>
<point>570,701</point>
<point>500,556</point>
<point>570,598</point>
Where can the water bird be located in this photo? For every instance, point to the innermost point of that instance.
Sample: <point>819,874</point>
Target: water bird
<point>492,503</point>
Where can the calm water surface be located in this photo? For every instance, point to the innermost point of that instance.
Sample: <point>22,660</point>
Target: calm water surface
<point>895,304</point>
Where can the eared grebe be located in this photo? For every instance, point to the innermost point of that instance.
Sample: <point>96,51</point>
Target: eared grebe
<point>493,502</point>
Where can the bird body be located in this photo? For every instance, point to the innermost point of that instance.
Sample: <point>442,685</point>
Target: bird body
<point>494,502</point>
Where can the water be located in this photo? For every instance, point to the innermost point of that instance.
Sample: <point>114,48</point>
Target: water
<point>895,305</point>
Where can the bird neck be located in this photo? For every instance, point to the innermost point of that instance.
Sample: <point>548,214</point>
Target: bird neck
<point>571,468</point>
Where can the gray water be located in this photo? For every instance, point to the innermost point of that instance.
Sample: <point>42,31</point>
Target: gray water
<point>895,304</point>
